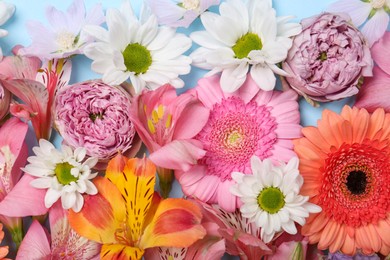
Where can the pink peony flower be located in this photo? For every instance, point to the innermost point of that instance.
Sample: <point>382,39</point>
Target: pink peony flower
<point>375,91</point>
<point>328,59</point>
<point>166,124</point>
<point>241,124</point>
<point>96,116</point>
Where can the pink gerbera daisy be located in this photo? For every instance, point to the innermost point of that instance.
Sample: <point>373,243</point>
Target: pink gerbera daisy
<point>241,124</point>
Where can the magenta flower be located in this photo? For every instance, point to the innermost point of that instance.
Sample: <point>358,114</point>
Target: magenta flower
<point>179,13</point>
<point>371,15</point>
<point>375,91</point>
<point>35,86</point>
<point>64,243</point>
<point>96,116</point>
<point>65,37</point>
<point>166,124</point>
<point>328,59</point>
<point>241,124</point>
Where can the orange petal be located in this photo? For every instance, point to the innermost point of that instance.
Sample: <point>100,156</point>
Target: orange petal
<point>349,247</point>
<point>328,234</point>
<point>176,224</point>
<point>313,135</point>
<point>101,215</point>
<point>339,241</point>
<point>115,167</point>
<point>120,252</point>
<point>136,184</point>
<point>376,123</point>
<point>383,229</point>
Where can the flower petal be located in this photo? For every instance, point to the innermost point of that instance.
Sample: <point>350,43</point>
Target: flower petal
<point>381,51</point>
<point>118,251</point>
<point>375,27</point>
<point>175,224</point>
<point>35,244</point>
<point>100,225</point>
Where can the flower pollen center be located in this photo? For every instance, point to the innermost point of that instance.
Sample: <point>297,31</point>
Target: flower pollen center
<point>137,58</point>
<point>357,182</point>
<point>66,40</point>
<point>246,44</point>
<point>323,56</point>
<point>94,116</point>
<point>190,4</point>
<point>63,174</point>
<point>234,138</point>
<point>271,200</point>
<point>378,4</point>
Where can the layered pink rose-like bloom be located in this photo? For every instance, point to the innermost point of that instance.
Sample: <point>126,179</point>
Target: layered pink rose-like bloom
<point>241,124</point>
<point>96,116</point>
<point>328,59</point>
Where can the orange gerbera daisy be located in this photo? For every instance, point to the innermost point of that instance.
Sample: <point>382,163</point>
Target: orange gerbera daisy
<point>345,163</point>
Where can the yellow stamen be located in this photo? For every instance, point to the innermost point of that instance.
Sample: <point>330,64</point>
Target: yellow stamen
<point>160,111</point>
<point>145,108</point>
<point>151,127</point>
<point>169,121</point>
<point>155,117</point>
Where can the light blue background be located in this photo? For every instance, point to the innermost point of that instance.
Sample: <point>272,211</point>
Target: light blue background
<point>35,10</point>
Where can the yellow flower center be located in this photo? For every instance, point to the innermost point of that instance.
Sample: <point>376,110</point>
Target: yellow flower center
<point>378,4</point>
<point>234,139</point>
<point>246,44</point>
<point>157,119</point>
<point>63,174</point>
<point>190,4</point>
<point>271,200</point>
<point>66,40</point>
<point>137,58</point>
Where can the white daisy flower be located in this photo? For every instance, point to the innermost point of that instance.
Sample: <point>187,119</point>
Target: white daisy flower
<point>139,49</point>
<point>63,173</point>
<point>270,197</point>
<point>245,36</point>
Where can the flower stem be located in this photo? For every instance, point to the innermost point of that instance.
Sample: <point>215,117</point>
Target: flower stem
<point>17,235</point>
<point>166,178</point>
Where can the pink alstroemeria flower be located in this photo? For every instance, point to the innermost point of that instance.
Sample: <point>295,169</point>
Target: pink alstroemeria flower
<point>375,91</point>
<point>35,86</point>
<point>166,124</point>
<point>65,36</point>
<point>181,13</point>
<point>65,243</point>
<point>13,156</point>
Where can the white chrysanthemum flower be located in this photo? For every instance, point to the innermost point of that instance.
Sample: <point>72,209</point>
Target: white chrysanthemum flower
<point>149,55</point>
<point>271,197</point>
<point>245,36</point>
<point>63,173</point>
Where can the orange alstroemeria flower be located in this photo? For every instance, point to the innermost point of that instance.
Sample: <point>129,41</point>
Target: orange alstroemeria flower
<point>127,216</point>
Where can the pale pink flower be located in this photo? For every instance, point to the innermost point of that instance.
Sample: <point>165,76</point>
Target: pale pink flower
<point>375,91</point>
<point>65,36</point>
<point>241,124</point>
<point>179,13</point>
<point>371,15</point>
<point>64,242</point>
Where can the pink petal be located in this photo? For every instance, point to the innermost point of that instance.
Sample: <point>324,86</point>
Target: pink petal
<point>57,215</point>
<point>191,121</point>
<point>208,248</point>
<point>35,244</point>
<point>357,10</point>
<point>247,91</point>
<point>376,26</point>
<point>178,154</point>
<point>35,95</point>
<point>226,200</point>
<point>24,200</point>
<point>22,112</point>
<point>209,91</point>
<point>18,67</point>
<point>380,52</point>
<point>375,92</point>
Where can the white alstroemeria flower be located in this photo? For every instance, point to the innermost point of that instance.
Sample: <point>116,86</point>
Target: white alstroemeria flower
<point>245,36</point>
<point>270,197</point>
<point>139,49</point>
<point>63,173</point>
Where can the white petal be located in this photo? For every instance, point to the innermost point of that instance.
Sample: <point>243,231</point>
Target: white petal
<point>263,76</point>
<point>79,202</point>
<point>51,197</point>
<point>91,189</point>
<point>233,78</point>
<point>290,228</point>
<point>91,162</point>
<point>68,199</point>
<point>357,10</point>
<point>375,27</point>
<point>41,183</point>
<point>114,76</point>
<point>80,153</point>
<point>97,32</point>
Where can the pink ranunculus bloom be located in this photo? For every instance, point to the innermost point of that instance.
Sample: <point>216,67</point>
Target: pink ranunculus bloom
<point>167,124</point>
<point>241,124</point>
<point>96,116</point>
<point>179,13</point>
<point>64,242</point>
<point>375,91</point>
<point>328,58</point>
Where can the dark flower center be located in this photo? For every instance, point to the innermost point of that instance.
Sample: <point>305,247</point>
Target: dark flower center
<point>323,56</point>
<point>94,116</point>
<point>357,182</point>
<point>137,58</point>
